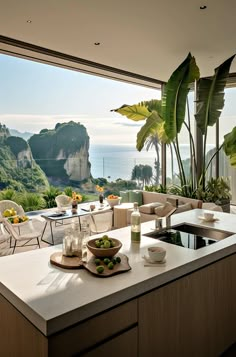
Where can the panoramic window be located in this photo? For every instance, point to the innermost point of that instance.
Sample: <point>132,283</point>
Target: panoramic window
<point>226,124</point>
<point>38,99</point>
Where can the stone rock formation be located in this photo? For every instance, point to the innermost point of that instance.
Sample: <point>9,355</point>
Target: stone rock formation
<point>63,153</point>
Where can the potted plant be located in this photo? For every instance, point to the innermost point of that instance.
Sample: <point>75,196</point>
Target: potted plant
<point>217,190</point>
<point>167,116</point>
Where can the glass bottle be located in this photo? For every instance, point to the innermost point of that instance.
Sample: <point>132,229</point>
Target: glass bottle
<point>135,224</point>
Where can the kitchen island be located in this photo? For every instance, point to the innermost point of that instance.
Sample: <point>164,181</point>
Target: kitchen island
<point>181,308</point>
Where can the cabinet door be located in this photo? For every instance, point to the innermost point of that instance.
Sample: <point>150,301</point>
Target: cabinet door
<point>193,316</point>
<point>123,345</point>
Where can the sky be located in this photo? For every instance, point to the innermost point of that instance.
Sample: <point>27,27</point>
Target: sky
<point>35,96</point>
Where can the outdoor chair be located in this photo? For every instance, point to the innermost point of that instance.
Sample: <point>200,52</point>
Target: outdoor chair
<point>101,222</point>
<point>8,204</point>
<point>63,202</point>
<point>4,236</point>
<point>24,237</point>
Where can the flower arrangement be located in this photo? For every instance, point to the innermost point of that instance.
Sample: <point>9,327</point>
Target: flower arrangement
<point>76,197</point>
<point>99,189</point>
<point>18,219</point>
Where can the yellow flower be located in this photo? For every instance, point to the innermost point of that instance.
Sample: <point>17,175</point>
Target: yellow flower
<point>99,188</point>
<point>76,196</point>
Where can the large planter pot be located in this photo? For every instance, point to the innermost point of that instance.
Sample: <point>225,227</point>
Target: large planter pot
<point>224,204</point>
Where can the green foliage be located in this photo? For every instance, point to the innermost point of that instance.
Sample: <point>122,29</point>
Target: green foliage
<point>175,95</point>
<point>230,146</point>
<point>210,100</point>
<point>19,174</point>
<point>31,201</point>
<point>154,188</point>
<point>142,173</point>
<point>216,190</point>
<point>66,139</point>
<point>9,194</point>
<point>183,190</point>
<point>16,144</point>
<point>50,195</point>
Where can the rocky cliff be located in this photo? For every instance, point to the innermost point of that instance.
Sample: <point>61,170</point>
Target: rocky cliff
<point>18,169</point>
<point>63,153</point>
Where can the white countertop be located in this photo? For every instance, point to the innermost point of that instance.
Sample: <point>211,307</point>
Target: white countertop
<point>53,298</point>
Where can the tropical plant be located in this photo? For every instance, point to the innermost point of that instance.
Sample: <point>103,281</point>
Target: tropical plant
<point>167,116</point>
<point>216,190</point>
<point>154,188</point>
<point>9,194</point>
<point>50,195</point>
<point>153,141</point>
<point>142,173</point>
<point>31,201</point>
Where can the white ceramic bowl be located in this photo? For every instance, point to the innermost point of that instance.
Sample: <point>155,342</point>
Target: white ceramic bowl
<point>157,254</point>
<point>113,201</point>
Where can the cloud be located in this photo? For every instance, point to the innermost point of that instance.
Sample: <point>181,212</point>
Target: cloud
<point>129,124</point>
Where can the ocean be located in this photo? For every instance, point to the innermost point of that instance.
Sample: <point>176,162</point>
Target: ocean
<point>117,161</point>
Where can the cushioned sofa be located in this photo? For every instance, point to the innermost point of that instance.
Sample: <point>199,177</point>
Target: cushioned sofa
<point>153,204</point>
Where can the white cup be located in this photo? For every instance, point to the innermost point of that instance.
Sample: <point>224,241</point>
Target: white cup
<point>208,216</point>
<point>157,254</point>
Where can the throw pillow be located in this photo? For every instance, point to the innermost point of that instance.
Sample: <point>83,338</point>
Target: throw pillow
<point>149,208</point>
<point>124,196</point>
<point>136,196</point>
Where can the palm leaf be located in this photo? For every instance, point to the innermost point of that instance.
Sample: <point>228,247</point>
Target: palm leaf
<point>175,95</point>
<point>134,112</point>
<point>210,100</point>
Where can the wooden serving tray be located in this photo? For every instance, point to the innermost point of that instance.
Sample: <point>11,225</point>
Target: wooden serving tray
<point>121,267</point>
<point>61,261</point>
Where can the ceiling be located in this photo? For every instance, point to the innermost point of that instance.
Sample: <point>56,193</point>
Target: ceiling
<point>149,38</point>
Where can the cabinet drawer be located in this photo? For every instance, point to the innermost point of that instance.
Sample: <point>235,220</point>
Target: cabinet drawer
<point>94,330</point>
<point>122,345</point>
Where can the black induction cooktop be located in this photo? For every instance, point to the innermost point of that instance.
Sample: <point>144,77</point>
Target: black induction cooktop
<point>182,239</point>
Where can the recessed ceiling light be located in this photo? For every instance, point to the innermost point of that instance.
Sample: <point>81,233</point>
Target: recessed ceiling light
<point>97,43</point>
<point>203,7</point>
<point>29,21</point>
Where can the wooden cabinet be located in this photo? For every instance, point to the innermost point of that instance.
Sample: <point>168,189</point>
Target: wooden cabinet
<point>111,330</point>
<point>193,316</point>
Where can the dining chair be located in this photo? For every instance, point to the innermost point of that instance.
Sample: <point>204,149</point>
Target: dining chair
<point>8,204</point>
<point>63,202</point>
<point>24,237</point>
<point>101,222</point>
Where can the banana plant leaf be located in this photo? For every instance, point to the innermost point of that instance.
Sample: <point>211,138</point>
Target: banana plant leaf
<point>210,100</point>
<point>134,112</point>
<point>153,105</point>
<point>153,124</point>
<point>230,146</point>
<point>175,95</point>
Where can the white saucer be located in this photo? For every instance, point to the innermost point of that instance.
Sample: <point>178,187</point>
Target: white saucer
<point>150,261</point>
<point>208,220</point>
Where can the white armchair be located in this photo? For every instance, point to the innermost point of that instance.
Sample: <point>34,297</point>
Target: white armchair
<point>8,204</point>
<point>63,202</point>
<point>101,222</point>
